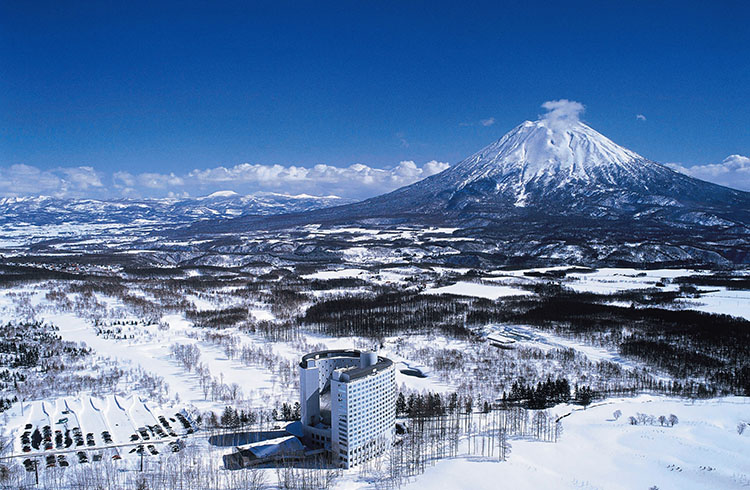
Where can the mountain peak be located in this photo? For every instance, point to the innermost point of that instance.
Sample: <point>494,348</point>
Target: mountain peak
<point>548,154</point>
<point>545,143</point>
<point>218,194</point>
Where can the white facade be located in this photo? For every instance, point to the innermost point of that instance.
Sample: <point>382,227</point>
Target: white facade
<point>348,401</point>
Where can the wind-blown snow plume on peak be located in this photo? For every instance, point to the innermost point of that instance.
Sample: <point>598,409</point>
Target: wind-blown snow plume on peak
<point>562,113</point>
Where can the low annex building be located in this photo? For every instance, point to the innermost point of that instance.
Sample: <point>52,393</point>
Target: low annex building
<point>287,448</point>
<point>348,401</point>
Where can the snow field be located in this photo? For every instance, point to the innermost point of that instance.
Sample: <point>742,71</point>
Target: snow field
<point>335,274</point>
<point>597,452</point>
<point>721,300</point>
<point>478,290</point>
<point>532,337</point>
<point>259,386</point>
<point>120,423</point>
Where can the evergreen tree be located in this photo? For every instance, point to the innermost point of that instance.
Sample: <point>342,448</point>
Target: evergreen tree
<point>401,404</point>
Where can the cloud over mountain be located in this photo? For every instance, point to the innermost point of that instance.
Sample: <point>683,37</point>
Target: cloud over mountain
<point>562,113</point>
<point>356,181</point>
<point>733,171</point>
<point>24,180</point>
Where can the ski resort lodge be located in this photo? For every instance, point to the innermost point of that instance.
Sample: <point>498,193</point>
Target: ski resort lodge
<point>348,403</point>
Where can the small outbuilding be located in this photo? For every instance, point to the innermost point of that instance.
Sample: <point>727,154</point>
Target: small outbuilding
<point>268,451</point>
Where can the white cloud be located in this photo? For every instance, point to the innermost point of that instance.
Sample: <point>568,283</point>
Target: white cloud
<point>562,113</point>
<point>482,122</point>
<point>82,177</point>
<point>640,117</point>
<point>355,181</point>
<point>434,167</point>
<point>151,180</point>
<point>159,181</point>
<point>24,180</point>
<point>123,179</point>
<point>733,171</point>
<point>246,172</point>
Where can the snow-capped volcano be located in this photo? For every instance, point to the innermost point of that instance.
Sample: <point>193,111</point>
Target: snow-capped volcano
<point>559,168</point>
<point>544,155</point>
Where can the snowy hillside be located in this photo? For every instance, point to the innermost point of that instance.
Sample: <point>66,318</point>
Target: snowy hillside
<point>599,450</point>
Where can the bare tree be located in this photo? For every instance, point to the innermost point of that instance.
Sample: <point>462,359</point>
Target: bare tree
<point>504,445</point>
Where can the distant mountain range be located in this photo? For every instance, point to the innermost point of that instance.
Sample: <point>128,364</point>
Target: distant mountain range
<point>40,211</point>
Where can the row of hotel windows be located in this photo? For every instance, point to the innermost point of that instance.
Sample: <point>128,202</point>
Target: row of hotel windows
<point>368,410</point>
<point>361,454</point>
<point>366,430</point>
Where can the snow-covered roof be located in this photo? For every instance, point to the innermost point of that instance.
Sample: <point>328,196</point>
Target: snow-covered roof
<point>356,372</point>
<point>295,428</point>
<point>272,447</point>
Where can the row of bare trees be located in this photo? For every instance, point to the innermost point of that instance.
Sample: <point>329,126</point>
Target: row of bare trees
<point>426,440</point>
<point>196,466</point>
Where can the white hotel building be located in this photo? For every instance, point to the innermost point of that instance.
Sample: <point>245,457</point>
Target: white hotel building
<point>348,401</point>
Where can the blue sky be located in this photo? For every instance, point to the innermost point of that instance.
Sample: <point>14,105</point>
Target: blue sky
<point>143,99</point>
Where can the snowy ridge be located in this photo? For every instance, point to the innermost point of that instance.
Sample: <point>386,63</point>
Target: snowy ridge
<point>220,194</point>
<point>45,210</point>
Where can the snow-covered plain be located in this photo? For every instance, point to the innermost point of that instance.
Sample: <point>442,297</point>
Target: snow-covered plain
<point>613,280</point>
<point>148,348</point>
<point>335,274</point>
<point>529,336</point>
<point>702,451</point>
<point>616,280</point>
<point>478,290</point>
<point>606,280</point>
<point>720,300</point>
